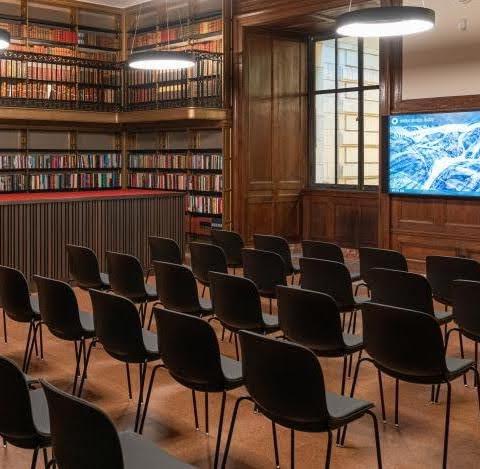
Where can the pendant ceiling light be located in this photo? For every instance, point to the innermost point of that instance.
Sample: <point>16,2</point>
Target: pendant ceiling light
<point>160,59</point>
<point>4,39</point>
<point>385,21</point>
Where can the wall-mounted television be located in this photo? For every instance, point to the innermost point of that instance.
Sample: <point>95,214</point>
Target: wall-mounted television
<point>434,154</point>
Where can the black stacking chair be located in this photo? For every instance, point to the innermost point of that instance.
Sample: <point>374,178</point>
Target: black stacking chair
<point>232,245</point>
<point>236,304</point>
<point>24,418</point>
<point>266,270</point>
<point>333,279</point>
<point>178,290</point>
<point>83,436</point>
<point>443,270</point>
<point>285,382</point>
<point>207,258</point>
<point>327,252</point>
<point>60,313</point>
<point>20,306</point>
<point>84,269</point>
<point>119,330</point>
<point>163,250</point>
<point>407,345</point>
<point>199,367</point>
<point>126,279</point>
<point>312,319</point>
<point>280,246</point>
<point>383,258</point>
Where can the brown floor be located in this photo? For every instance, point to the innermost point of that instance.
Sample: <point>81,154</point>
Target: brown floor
<point>416,444</point>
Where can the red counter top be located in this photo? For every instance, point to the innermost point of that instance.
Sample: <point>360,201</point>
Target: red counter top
<point>27,197</point>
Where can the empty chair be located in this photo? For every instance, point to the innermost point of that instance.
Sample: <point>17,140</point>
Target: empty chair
<point>84,269</point>
<point>266,270</point>
<point>408,346</point>
<point>280,246</point>
<point>126,279</point>
<point>20,306</point>
<point>60,313</point>
<point>404,290</point>
<point>119,330</point>
<point>232,245</point>
<point>236,304</point>
<point>200,366</point>
<point>207,258</point>
<point>375,257</point>
<point>443,270</point>
<point>333,279</point>
<point>163,250</point>
<point>285,381</point>
<point>83,436</point>
<point>24,418</point>
<point>178,290</point>
<point>327,252</point>
<point>312,319</point>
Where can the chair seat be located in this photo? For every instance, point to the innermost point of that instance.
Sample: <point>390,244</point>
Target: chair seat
<point>151,291</point>
<point>86,320</point>
<point>457,366</point>
<point>206,306</point>
<point>343,409</point>
<point>296,264</point>
<point>271,322</point>
<point>355,276</point>
<point>40,414</point>
<point>140,453</point>
<point>443,317</point>
<point>232,369</point>
<point>35,306</point>
<point>150,340</point>
<point>105,280</point>
<point>354,343</point>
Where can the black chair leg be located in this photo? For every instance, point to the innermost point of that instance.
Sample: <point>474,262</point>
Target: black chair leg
<point>195,411</point>
<point>129,381</point>
<point>40,331</point>
<point>232,426</point>
<point>397,391</point>
<point>27,348</point>
<point>34,458</point>
<point>354,321</point>
<point>206,414</point>
<point>447,425</point>
<point>5,337</point>
<point>329,450</point>
<point>149,393</point>
<point>220,428</point>
<point>462,354</point>
<point>32,343</point>
<point>342,391</point>
<point>236,347</point>
<point>51,464</point>
<point>382,398</point>
<point>377,438</point>
<point>45,457</point>
<point>275,445</point>
<point>270,306</point>
<point>477,383</point>
<point>78,357</point>
<point>477,380</point>
<point>292,449</point>
<point>203,291</point>
<point>87,361</point>
<point>142,372</point>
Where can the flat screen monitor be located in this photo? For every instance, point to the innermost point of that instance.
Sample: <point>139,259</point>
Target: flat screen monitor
<point>434,154</point>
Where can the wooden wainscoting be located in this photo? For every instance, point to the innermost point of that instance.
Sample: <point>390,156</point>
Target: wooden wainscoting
<point>349,218</point>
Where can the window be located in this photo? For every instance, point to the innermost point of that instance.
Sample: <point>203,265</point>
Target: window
<point>345,99</point>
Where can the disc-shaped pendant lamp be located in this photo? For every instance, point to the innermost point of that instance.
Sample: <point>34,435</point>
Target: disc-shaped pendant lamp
<point>161,60</point>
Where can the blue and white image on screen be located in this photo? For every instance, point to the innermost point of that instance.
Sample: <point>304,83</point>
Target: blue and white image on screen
<point>435,154</point>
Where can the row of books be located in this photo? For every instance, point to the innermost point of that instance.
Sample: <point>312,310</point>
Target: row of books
<point>12,182</point>
<point>206,182</point>
<point>96,39</point>
<point>100,160</point>
<point>177,33</point>
<point>61,161</point>
<point>14,161</point>
<point>175,161</point>
<point>205,204</point>
<point>176,182</point>
<point>99,95</point>
<point>66,36</point>
<point>103,56</point>
<point>66,181</point>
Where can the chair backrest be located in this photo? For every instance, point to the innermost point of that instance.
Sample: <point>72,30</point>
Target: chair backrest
<point>403,341</point>
<point>402,289</point>
<point>232,245</point>
<point>190,350</point>
<point>15,295</point>
<point>83,266</point>
<point>176,287</point>
<point>207,258</point>
<point>310,318</point>
<point>443,270</point>
<point>384,258</point>
<point>275,244</point>
<point>59,308</point>
<point>82,434</point>
<point>16,420</point>
<point>322,250</point>
<point>331,278</point>
<point>265,269</point>
<point>466,301</point>
<point>126,275</point>
<point>236,301</point>
<point>117,326</point>
<point>285,380</point>
<point>164,250</point>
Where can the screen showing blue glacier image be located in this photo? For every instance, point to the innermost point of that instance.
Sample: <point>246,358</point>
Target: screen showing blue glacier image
<point>435,154</point>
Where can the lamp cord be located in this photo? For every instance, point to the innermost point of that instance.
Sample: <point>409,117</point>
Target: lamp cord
<point>350,7</point>
<point>136,28</point>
